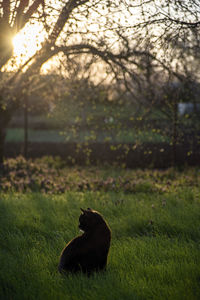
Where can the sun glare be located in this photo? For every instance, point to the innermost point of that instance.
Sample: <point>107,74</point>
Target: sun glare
<point>19,44</point>
<point>27,41</point>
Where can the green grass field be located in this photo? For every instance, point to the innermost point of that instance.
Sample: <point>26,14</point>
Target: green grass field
<point>155,249</point>
<point>56,136</point>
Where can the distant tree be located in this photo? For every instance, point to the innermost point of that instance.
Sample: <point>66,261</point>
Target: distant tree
<point>112,31</point>
<point>72,27</point>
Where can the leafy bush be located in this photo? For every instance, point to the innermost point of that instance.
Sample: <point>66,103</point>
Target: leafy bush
<point>50,175</point>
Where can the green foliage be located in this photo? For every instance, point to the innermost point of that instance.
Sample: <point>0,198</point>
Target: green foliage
<point>84,115</point>
<point>154,218</point>
<point>109,121</point>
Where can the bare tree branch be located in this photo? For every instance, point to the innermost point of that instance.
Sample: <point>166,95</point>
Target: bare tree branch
<point>23,17</point>
<point>6,10</point>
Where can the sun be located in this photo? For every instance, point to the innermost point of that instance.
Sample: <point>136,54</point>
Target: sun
<point>19,44</point>
<point>28,41</point>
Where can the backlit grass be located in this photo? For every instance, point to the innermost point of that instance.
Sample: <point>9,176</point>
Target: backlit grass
<point>154,251</point>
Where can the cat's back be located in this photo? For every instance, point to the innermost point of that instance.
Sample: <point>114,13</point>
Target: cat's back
<point>75,244</point>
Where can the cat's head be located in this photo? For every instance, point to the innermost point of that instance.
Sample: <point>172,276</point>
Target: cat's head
<point>89,219</point>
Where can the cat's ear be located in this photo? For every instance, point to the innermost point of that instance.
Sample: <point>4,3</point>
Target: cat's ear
<point>85,211</point>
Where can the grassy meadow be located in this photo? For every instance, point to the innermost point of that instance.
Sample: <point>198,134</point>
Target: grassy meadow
<point>155,221</point>
<point>57,136</point>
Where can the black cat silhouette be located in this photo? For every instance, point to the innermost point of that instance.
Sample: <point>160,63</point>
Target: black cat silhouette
<point>88,252</point>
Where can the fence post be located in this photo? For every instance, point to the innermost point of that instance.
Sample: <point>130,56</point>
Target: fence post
<point>26,127</point>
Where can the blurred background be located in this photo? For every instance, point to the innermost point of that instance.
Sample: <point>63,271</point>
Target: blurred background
<point>112,83</point>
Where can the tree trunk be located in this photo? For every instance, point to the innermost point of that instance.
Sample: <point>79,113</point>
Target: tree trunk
<point>175,133</point>
<point>26,128</point>
<point>2,144</point>
<point>5,117</point>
